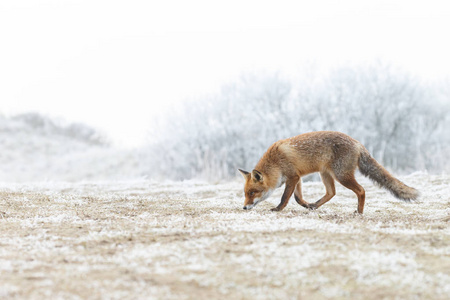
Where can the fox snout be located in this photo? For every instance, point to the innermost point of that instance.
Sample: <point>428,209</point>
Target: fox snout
<point>249,206</point>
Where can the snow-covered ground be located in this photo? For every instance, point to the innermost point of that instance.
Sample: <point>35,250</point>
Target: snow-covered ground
<point>192,240</point>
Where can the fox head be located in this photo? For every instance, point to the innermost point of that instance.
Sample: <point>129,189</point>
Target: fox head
<point>255,188</point>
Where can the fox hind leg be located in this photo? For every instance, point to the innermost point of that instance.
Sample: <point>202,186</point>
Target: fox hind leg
<point>350,182</point>
<point>328,181</point>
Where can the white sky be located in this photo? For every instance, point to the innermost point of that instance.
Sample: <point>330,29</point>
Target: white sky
<point>114,64</point>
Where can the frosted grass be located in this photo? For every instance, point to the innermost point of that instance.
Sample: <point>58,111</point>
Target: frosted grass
<point>184,240</point>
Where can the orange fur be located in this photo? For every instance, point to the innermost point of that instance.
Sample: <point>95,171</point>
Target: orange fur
<point>335,155</point>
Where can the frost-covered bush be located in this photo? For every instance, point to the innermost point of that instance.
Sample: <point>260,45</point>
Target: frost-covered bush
<point>402,121</point>
<point>397,118</point>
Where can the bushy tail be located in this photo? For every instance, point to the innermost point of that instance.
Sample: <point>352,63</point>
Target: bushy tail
<point>369,167</point>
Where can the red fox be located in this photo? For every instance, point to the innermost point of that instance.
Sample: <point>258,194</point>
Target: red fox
<point>335,155</point>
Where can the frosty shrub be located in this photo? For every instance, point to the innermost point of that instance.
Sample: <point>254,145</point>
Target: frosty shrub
<point>402,121</point>
<point>399,119</point>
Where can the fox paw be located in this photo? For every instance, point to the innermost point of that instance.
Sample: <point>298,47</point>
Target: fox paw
<point>312,206</point>
<point>275,209</point>
<point>305,205</point>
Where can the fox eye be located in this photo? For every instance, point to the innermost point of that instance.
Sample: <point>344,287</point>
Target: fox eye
<point>252,193</point>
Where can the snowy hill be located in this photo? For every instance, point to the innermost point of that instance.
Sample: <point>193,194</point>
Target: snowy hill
<point>37,148</point>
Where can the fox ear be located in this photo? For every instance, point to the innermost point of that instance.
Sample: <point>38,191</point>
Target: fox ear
<point>244,173</point>
<point>257,175</point>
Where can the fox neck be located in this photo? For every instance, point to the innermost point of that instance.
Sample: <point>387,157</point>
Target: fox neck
<point>275,180</point>
<point>270,165</point>
<point>272,184</point>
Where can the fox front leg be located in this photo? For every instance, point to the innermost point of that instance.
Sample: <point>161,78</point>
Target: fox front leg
<point>288,191</point>
<point>328,181</point>
<point>299,197</point>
